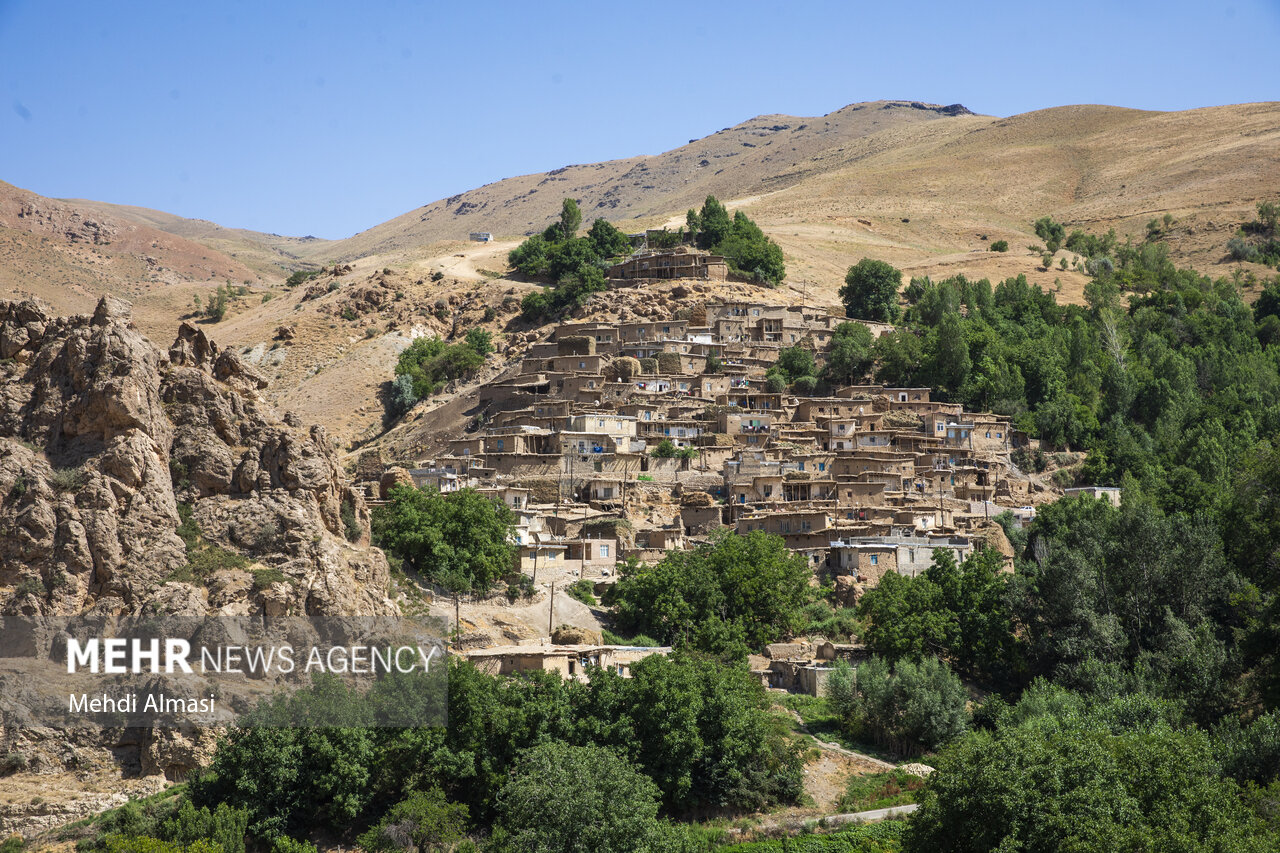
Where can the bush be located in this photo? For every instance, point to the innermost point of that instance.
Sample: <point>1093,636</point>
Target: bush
<point>68,479</point>
<point>19,487</point>
<point>908,708</point>
<point>643,641</point>
<point>1000,246</point>
<point>426,820</point>
<point>350,526</point>
<point>300,276</point>
<point>263,578</point>
<point>582,590</point>
<point>12,762</point>
<point>1240,249</point>
<point>29,586</point>
<point>665,450</point>
<point>430,363</point>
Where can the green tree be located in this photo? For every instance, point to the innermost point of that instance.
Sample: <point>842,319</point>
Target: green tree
<point>1053,233</point>
<point>752,582</point>
<point>702,731</point>
<point>870,291</point>
<point>665,449</point>
<point>848,355</point>
<point>908,707</point>
<point>795,362</point>
<point>424,822</point>
<point>607,240</point>
<point>714,224</point>
<point>898,356</point>
<point>570,219</point>
<point>580,799</point>
<point>461,538</point>
<point>530,257</point>
<point>1072,775</point>
<point>948,357</point>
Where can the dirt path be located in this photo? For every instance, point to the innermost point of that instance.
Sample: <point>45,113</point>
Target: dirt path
<point>875,763</point>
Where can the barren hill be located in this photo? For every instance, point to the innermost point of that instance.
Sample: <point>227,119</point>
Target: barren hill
<point>924,187</point>
<point>764,154</point>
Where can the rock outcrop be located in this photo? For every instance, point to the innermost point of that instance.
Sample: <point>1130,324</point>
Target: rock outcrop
<point>107,443</point>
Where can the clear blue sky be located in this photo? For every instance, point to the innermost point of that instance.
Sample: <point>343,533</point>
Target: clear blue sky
<point>326,118</point>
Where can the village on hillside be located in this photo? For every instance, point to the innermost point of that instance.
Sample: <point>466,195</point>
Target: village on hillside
<point>622,440</point>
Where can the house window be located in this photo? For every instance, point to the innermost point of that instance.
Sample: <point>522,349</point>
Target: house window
<point>500,444</point>
<point>533,555</point>
<point>822,466</point>
<point>582,364</point>
<point>604,550</point>
<point>875,560</point>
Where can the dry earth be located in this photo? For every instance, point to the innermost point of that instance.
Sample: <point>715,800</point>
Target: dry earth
<point>926,188</point>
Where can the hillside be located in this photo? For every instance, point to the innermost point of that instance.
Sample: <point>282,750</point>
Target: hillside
<point>926,188</point>
<point>765,154</point>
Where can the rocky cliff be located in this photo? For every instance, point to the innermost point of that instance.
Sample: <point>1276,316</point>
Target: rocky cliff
<point>145,488</point>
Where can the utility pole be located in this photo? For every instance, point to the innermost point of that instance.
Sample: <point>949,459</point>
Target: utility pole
<point>551,610</point>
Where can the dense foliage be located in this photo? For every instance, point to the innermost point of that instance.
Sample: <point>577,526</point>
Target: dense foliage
<point>1059,772</point>
<point>908,707</point>
<point>870,291</point>
<point>1259,240</point>
<point>683,735</point>
<point>575,265</point>
<point>730,595</point>
<point>462,540</point>
<point>740,241</point>
<point>580,799</point>
<point>427,364</point>
<point>1169,391</point>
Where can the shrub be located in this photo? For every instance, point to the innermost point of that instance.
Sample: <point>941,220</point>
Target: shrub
<point>582,590</point>
<point>805,385</point>
<point>490,314</point>
<point>12,762</point>
<point>68,479</point>
<point>213,558</point>
<point>29,586</point>
<point>19,487</point>
<point>300,276</point>
<point>263,578</point>
<point>1240,249</point>
<point>639,640</point>
<point>437,276</point>
<point>265,538</point>
<point>350,526</point>
<point>665,450</point>
<point>370,332</point>
<point>1000,246</point>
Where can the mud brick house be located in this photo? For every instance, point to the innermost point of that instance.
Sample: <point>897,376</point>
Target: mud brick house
<point>680,262</point>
